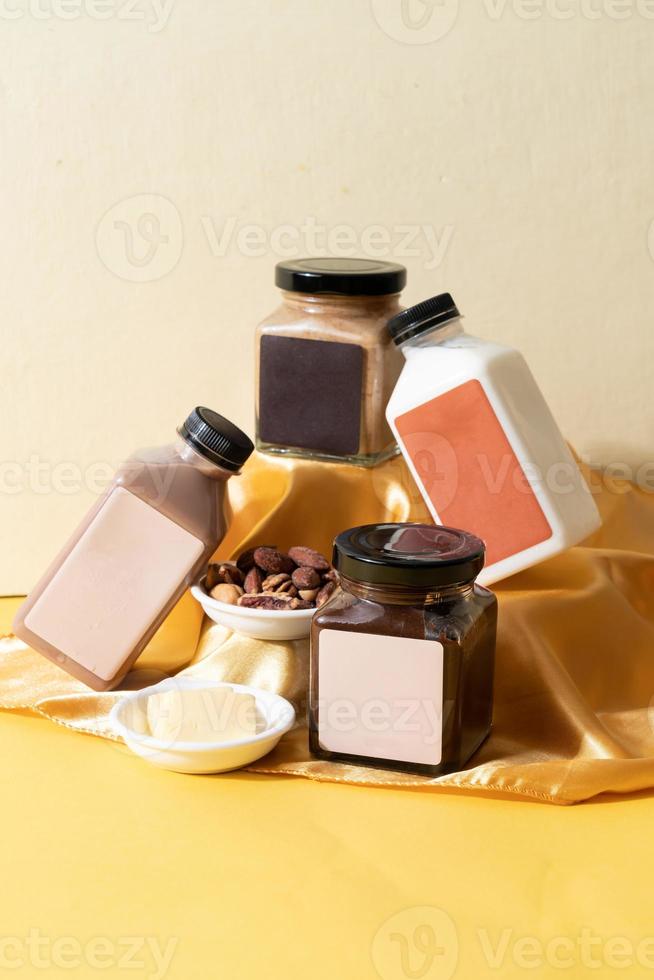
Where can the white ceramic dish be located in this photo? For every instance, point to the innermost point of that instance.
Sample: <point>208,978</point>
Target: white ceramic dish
<point>262,624</point>
<point>128,718</point>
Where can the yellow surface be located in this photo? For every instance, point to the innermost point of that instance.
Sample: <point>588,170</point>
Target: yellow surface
<point>259,877</point>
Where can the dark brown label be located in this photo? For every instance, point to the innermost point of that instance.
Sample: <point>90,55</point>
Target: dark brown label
<point>310,394</point>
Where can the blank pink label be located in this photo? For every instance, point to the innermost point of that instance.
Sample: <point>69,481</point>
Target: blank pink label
<point>114,583</point>
<point>380,696</point>
<point>470,473</point>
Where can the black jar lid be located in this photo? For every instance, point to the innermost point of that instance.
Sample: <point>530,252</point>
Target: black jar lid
<point>420,555</point>
<point>422,317</point>
<point>346,277</point>
<point>216,438</point>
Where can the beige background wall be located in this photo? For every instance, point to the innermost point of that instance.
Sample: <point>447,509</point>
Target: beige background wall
<point>510,142</point>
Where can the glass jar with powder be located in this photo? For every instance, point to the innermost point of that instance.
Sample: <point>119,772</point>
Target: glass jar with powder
<point>402,656</point>
<point>326,365</point>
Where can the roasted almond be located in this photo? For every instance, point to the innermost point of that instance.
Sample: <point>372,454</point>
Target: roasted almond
<point>309,558</point>
<point>272,561</point>
<point>325,593</point>
<point>253,582</point>
<point>306,578</point>
<point>245,560</point>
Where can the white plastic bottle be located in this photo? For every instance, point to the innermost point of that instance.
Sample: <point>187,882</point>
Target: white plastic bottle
<point>481,442</point>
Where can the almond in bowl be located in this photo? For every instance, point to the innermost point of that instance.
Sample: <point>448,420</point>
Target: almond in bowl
<point>267,593</point>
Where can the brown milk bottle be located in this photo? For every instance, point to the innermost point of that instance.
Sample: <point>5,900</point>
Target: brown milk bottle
<point>133,556</point>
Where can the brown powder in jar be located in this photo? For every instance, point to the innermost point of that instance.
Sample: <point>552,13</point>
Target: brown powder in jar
<point>325,404</point>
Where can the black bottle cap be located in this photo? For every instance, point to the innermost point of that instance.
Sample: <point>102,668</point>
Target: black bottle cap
<point>216,438</point>
<point>347,277</point>
<point>422,317</point>
<point>425,556</point>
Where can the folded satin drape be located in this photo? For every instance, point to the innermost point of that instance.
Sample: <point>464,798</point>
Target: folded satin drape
<point>574,691</point>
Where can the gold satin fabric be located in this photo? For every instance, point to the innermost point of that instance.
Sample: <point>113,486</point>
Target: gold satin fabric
<point>574,689</point>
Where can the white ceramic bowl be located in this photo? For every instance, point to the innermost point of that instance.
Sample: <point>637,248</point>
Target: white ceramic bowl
<point>275,717</point>
<point>262,624</point>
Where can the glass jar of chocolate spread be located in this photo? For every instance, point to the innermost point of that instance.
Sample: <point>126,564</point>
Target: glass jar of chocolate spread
<point>402,656</point>
<point>326,365</point>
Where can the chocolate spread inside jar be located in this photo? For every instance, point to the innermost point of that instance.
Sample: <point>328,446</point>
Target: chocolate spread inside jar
<point>402,658</point>
<point>326,366</point>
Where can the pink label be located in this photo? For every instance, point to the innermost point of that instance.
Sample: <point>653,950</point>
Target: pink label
<point>113,584</point>
<point>380,696</point>
<point>470,473</point>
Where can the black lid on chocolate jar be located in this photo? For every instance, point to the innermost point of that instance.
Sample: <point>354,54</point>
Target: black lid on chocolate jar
<point>422,317</point>
<point>425,556</point>
<point>216,438</point>
<point>346,277</point>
